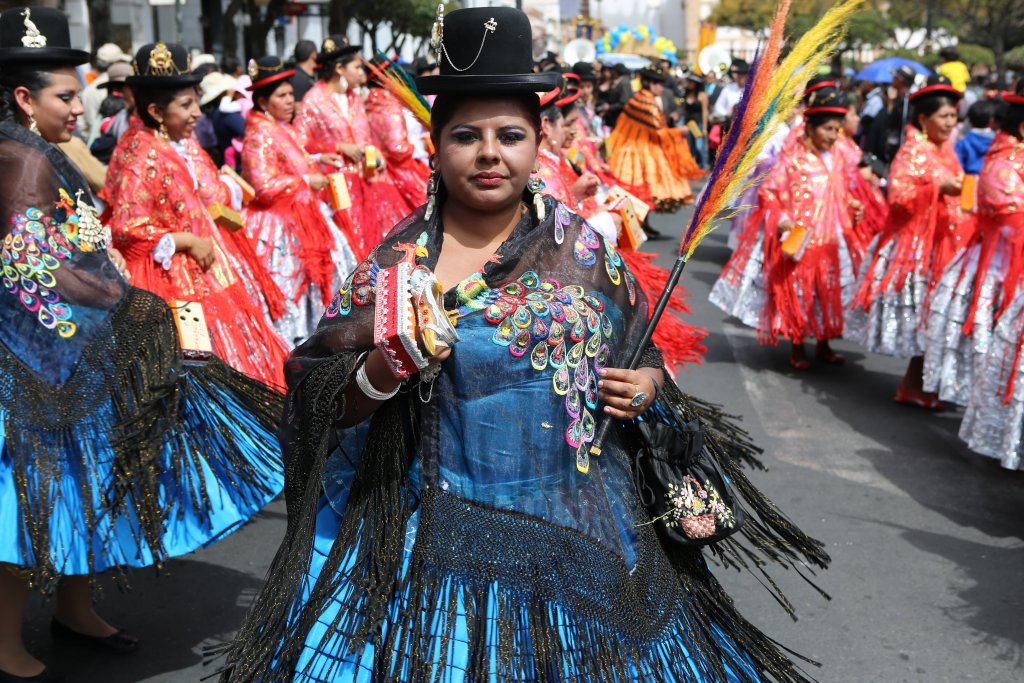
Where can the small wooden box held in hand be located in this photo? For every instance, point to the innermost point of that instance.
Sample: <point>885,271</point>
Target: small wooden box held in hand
<point>339,192</point>
<point>193,333</point>
<point>248,191</point>
<point>226,217</point>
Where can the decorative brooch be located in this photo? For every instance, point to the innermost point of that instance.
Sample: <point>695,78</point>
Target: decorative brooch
<point>329,45</point>
<point>161,61</point>
<point>437,32</point>
<point>254,69</point>
<point>32,37</point>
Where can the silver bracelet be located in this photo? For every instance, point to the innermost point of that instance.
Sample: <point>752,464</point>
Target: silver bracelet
<point>364,384</point>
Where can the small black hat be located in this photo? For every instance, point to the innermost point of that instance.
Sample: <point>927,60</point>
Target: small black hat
<point>585,70</point>
<point>740,66</point>
<point>826,100</point>
<point>484,50</point>
<point>422,64</point>
<point>621,69</point>
<point>335,47</point>
<point>37,35</point>
<point>653,73</point>
<point>267,70</point>
<point>906,74</point>
<point>935,86</point>
<point>162,65</point>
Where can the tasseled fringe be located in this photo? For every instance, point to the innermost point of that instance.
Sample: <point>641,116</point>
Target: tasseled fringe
<point>266,644</point>
<point>527,638</point>
<point>116,405</point>
<point>679,342</point>
<point>804,298</point>
<point>277,303</point>
<point>122,403</point>
<point>772,537</point>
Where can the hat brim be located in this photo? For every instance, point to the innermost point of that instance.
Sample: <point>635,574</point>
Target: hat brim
<point>326,57</point>
<point>163,81</point>
<point>50,56</point>
<point>937,89</point>
<point>107,85</point>
<point>271,79</point>
<point>485,83</point>
<point>653,75</point>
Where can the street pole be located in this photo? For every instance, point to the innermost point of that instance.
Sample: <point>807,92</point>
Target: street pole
<point>179,21</point>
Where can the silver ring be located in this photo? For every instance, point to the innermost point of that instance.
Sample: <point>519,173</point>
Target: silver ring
<point>639,398</point>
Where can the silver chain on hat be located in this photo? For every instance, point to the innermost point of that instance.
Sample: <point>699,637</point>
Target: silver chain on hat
<point>490,26</point>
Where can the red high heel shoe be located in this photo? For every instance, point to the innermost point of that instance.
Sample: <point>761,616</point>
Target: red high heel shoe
<point>925,401</point>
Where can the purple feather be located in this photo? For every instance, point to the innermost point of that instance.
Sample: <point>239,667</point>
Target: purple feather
<point>724,151</point>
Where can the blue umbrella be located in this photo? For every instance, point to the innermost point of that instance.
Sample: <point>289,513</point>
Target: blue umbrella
<point>881,71</point>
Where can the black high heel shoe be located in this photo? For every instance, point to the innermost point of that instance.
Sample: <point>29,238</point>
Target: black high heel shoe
<point>45,676</point>
<point>119,642</point>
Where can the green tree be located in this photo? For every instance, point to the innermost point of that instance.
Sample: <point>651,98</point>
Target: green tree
<point>404,18</point>
<point>997,24</point>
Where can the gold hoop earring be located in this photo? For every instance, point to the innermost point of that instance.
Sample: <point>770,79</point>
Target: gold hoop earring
<point>162,131</point>
<point>32,125</point>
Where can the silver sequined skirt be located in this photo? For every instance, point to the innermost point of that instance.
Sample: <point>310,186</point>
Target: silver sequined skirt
<point>744,297</point>
<point>991,426</point>
<point>952,358</point>
<point>891,324</point>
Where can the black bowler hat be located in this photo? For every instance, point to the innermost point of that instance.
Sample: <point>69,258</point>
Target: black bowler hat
<point>267,70</point>
<point>826,100</point>
<point>422,64</point>
<point>585,71</point>
<point>935,86</point>
<point>37,35</point>
<point>652,73</point>
<point>162,65</point>
<point>484,50</point>
<point>335,47</point>
<point>739,66</point>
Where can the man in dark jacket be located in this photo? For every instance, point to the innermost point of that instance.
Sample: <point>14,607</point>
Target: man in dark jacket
<point>305,68</point>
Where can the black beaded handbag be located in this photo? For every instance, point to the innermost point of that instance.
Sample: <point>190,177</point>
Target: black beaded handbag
<point>690,500</point>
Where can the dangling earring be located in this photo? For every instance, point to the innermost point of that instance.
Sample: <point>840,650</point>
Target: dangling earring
<point>32,125</point>
<point>162,131</point>
<point>536,186</point>
<point>432,183</point>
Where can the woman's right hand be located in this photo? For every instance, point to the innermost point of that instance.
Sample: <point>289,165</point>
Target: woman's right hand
<point>585,186</point>
<point>317,181</point>
<point>785,226</point>
<point>202,251</point>
<point>952,186</point>
<point>350,151</point>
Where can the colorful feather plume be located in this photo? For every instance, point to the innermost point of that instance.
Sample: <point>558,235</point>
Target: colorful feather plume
<point>773,89</point>
<point>395,80</point>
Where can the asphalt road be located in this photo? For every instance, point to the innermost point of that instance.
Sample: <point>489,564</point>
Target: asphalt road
<point>927,539</point>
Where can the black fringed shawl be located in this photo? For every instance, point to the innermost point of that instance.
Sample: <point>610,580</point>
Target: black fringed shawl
<point>553,582</point>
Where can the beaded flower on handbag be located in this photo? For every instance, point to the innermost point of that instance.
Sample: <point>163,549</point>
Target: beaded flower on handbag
<point>688,497</point>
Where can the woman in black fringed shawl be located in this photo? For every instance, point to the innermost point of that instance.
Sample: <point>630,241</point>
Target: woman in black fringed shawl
<point>456,530</point>
<point>112,452</point>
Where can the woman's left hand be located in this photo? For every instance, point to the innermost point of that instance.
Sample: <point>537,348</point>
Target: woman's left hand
<point>619,386</point>
<point>118,260</point>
